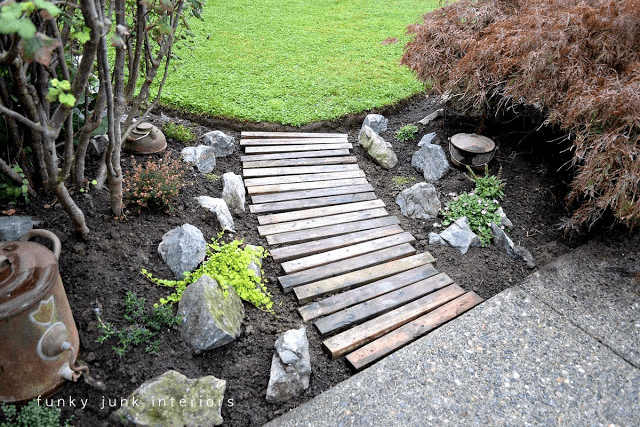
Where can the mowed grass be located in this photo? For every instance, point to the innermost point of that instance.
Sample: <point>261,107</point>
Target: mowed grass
<point>295,61</point>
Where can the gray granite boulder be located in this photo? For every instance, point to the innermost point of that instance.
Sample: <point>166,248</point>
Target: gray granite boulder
<point>502,241</point>
<point>379,149</point>
<point>429,138</point>
<point>460,236</point>
<point>172,399</point>
<point>183,249</point>
<point>431,117</point>
<point>13,227</point>
<point>504,221</point>
<point>290,366</point>
<point>233,192</point>
<point>419,201</point>
<point>377,122</point>
<point>218,207</point>
<point>202,157</point>
<point>210,318</point>
<point>222,144</point>
<point>431,161</point>
<point>434,238</point>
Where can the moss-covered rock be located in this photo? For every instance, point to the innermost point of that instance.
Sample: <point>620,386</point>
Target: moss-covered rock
<point>210,316</point>
<point>174,400</point>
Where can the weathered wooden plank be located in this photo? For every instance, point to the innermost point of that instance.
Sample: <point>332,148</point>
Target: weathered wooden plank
<point>305,224</point>
<point>345,266</point>
<point>279,188</point>
<point>309,248</point>
<point>298,147</point>
<point>285,141</point>
<point>300,155</point>
<point>289,205</point>
<point>318,212</point>
<point>376,306</point>
<point>346,252</point>
<point>298,170</point>
<point>355,296</point>
<point>364,333</point>
<point>250,182</point>
<point>261,134</point>
<point>402,336</point>
<point>310,194</point>
<point>300,162</point>
<point>361,277</point>
<point>330,230</point>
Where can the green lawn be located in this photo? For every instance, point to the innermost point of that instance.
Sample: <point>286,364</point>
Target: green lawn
<point>295,61</point>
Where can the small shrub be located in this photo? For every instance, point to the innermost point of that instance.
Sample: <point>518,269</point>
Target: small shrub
<point>141,329</point>
<point>178,132</point>
<point>154,184</point>
<point>10,191</point>
<point>228,264</point>
<point>407,133</point>
<point>32,414</point>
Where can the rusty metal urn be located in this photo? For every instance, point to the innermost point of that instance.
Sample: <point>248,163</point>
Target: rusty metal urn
<point>38,336</point>
<point>470,149</point>
<point>145,139</point>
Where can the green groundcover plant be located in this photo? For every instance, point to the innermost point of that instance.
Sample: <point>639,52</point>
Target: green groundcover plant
<point>32,415</point>
<point>480,206</point>
<point>228,264</point>
<point>295,61</point>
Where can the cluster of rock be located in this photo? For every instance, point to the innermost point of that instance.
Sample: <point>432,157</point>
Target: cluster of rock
<point>203,157</point>
<point>211,317</point>
<point>421,200</point>
<point>377,148</point>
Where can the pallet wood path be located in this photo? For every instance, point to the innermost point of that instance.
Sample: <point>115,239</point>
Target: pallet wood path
<point>352,268</point>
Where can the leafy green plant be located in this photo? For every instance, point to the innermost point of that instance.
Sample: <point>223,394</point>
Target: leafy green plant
<point>12,192</point>
<point>407,133</point>
<point>32,414</point>
<point>59,91</point>
<point>179,132</point>
<point>228,264</point>
<point>480,214</point>
<point>212,176</point>
<point>154,184</point>
<point>141,329</point>
<point>401,181</point>
<point>488,185</point>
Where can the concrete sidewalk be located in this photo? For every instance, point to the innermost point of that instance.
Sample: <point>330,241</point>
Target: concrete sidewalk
<point>561,349</point>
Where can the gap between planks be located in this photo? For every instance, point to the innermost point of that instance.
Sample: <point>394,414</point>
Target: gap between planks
<point>345,266</point>
<point>346,252</point>
<point>310,194</point>
<point>346,281</point>
<point>413,330</point>
<point>293,205</point>
<point>330,230</point>
<point>264,134</point>
<point>345,342</point>
<point>380,305</point>
<point>294,155</point>
<point>312,161</point>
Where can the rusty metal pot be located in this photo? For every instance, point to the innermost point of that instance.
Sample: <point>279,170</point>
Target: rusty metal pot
<point>37,331</point>
<point>145,139</point>
<point>470,149</point>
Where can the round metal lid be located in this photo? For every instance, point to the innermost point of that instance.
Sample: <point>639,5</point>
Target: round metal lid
<point>144,127</point>
<point>473,143</point>
<point>145,139</point>
<point>28,270</point>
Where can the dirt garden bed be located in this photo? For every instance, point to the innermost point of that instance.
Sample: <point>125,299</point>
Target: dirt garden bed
<point>99,270</point>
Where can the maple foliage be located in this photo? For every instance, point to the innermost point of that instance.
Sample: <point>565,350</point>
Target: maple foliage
<point>576,61</point>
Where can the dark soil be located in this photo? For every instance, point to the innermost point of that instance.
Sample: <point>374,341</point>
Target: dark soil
<point>100,269</point>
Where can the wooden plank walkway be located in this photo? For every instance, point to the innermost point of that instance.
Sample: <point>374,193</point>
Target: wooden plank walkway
<point>350,265</point>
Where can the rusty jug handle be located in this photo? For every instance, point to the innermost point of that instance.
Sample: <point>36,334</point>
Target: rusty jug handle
<point>57,247</point>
